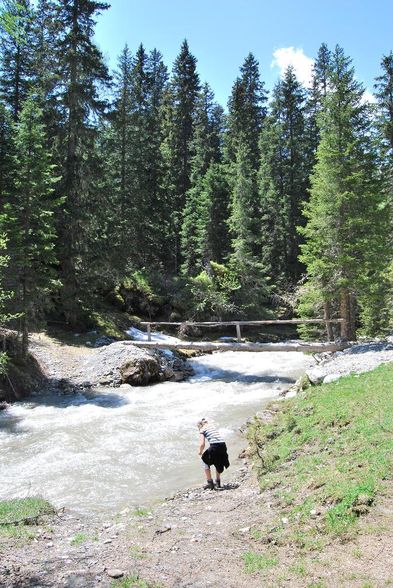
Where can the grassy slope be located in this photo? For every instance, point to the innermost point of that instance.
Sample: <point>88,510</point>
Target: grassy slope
<point>18,515</point>
<point>326,456</point>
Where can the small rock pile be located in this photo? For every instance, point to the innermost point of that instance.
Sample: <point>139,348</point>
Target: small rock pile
<point>363,357</point>
<point>121,363</point>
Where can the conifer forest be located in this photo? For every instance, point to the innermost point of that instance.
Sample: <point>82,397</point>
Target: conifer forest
<point>135,190</point>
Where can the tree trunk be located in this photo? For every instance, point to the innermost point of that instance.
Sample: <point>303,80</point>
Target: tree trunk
<point>326,315</point>
<point>348,330</point>
<point>24,322</point>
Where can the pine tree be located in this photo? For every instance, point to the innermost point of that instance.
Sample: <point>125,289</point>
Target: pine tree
<point>196,215</point>
<point>177,149</point>
<point>216,201</point>
<point>148,82</point>
<point>245,258</point>
<point>116,153</point>
<point>246,115</point>
<point>15,54</point>
<point>6,152</point>
<point>45,68</point>
<point>316,95</point>
<point>283,180</point>
<point>81,72</point>
<point>384,96</point>
<point>246,112</point>
<point>28,220</point>
<point>345,249</point>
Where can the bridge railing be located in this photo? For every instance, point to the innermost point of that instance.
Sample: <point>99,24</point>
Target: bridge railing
<point>237,324</point>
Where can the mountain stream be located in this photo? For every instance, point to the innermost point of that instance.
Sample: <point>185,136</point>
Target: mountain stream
<point>102,452</point>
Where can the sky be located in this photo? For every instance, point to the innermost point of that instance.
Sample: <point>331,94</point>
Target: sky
<point>221,33</point>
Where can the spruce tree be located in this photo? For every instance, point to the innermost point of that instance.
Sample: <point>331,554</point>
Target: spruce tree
<point>16,54</point>
<point>115,152</point>
<point>346,232</point>
<point>177,148</point>
<point>243,222</point>
<point>207,150</point>
<point>28,220</point>
<point>384,96</point>
<point>216,201</point>
<point>45,65</point>
<point>6,152</point>
<point>81,73</point>
<point>316,95</point>
<point>148,83</point>
<point>283,178</point>
<point>246,112</point>
<point>155,222</point>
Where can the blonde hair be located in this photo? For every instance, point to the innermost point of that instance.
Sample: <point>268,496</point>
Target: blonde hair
<point>202,423</point>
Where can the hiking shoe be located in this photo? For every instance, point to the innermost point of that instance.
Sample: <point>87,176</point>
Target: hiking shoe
<point>218,483</point>
<point>209,485</point>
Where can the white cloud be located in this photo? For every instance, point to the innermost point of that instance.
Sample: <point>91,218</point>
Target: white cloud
<point>368,98</point>
<point>302,64</point>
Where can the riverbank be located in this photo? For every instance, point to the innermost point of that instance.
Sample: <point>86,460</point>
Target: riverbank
<point>268,532</point>
<point>237,537</point>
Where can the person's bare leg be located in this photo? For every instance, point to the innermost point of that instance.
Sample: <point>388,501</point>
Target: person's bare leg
<point>210,484</point>
<point>208,474</point>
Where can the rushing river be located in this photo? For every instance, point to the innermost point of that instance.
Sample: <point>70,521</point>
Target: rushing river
<point>104,452</point>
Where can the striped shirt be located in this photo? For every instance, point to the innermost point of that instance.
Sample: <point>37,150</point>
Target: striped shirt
<point>211,434</point>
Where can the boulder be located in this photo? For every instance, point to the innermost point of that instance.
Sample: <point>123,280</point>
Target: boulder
<point>331,378</point>
<point>140,371</point>
<point>316,376</point>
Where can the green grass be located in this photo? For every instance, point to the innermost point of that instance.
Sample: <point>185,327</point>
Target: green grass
<point>78,539</point>
<point>256,562</point>
<point>328,450</point>
<point>140,511</point>
<point>136,551</point>
<point>133,582</point>
<point>18,515</point>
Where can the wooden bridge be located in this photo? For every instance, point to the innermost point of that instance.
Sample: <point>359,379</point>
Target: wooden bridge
<point>239,345</point>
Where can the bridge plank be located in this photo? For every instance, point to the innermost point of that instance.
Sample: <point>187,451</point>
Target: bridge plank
<point>243,323</point>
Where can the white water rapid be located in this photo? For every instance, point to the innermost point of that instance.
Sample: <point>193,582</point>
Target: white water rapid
<point>100,453</point>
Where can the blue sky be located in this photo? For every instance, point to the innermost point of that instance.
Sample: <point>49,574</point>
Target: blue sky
<point>222,32</point>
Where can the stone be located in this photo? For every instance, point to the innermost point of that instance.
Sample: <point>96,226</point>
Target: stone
<point>106,380</point>
<point>316,376</point>
<point>331,378</point>
<point>114,573</point>
<point>104,340</point>
<point>140,371</point>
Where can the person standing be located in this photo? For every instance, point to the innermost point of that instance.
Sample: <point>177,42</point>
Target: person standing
<point>215,455</point>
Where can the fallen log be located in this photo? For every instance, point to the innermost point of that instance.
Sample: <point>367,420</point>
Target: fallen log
<point>255,347</point>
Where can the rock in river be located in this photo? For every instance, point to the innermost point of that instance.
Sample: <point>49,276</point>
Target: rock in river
<point>140,371</point>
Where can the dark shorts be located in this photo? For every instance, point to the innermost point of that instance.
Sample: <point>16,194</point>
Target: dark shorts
<point>216,455</point>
